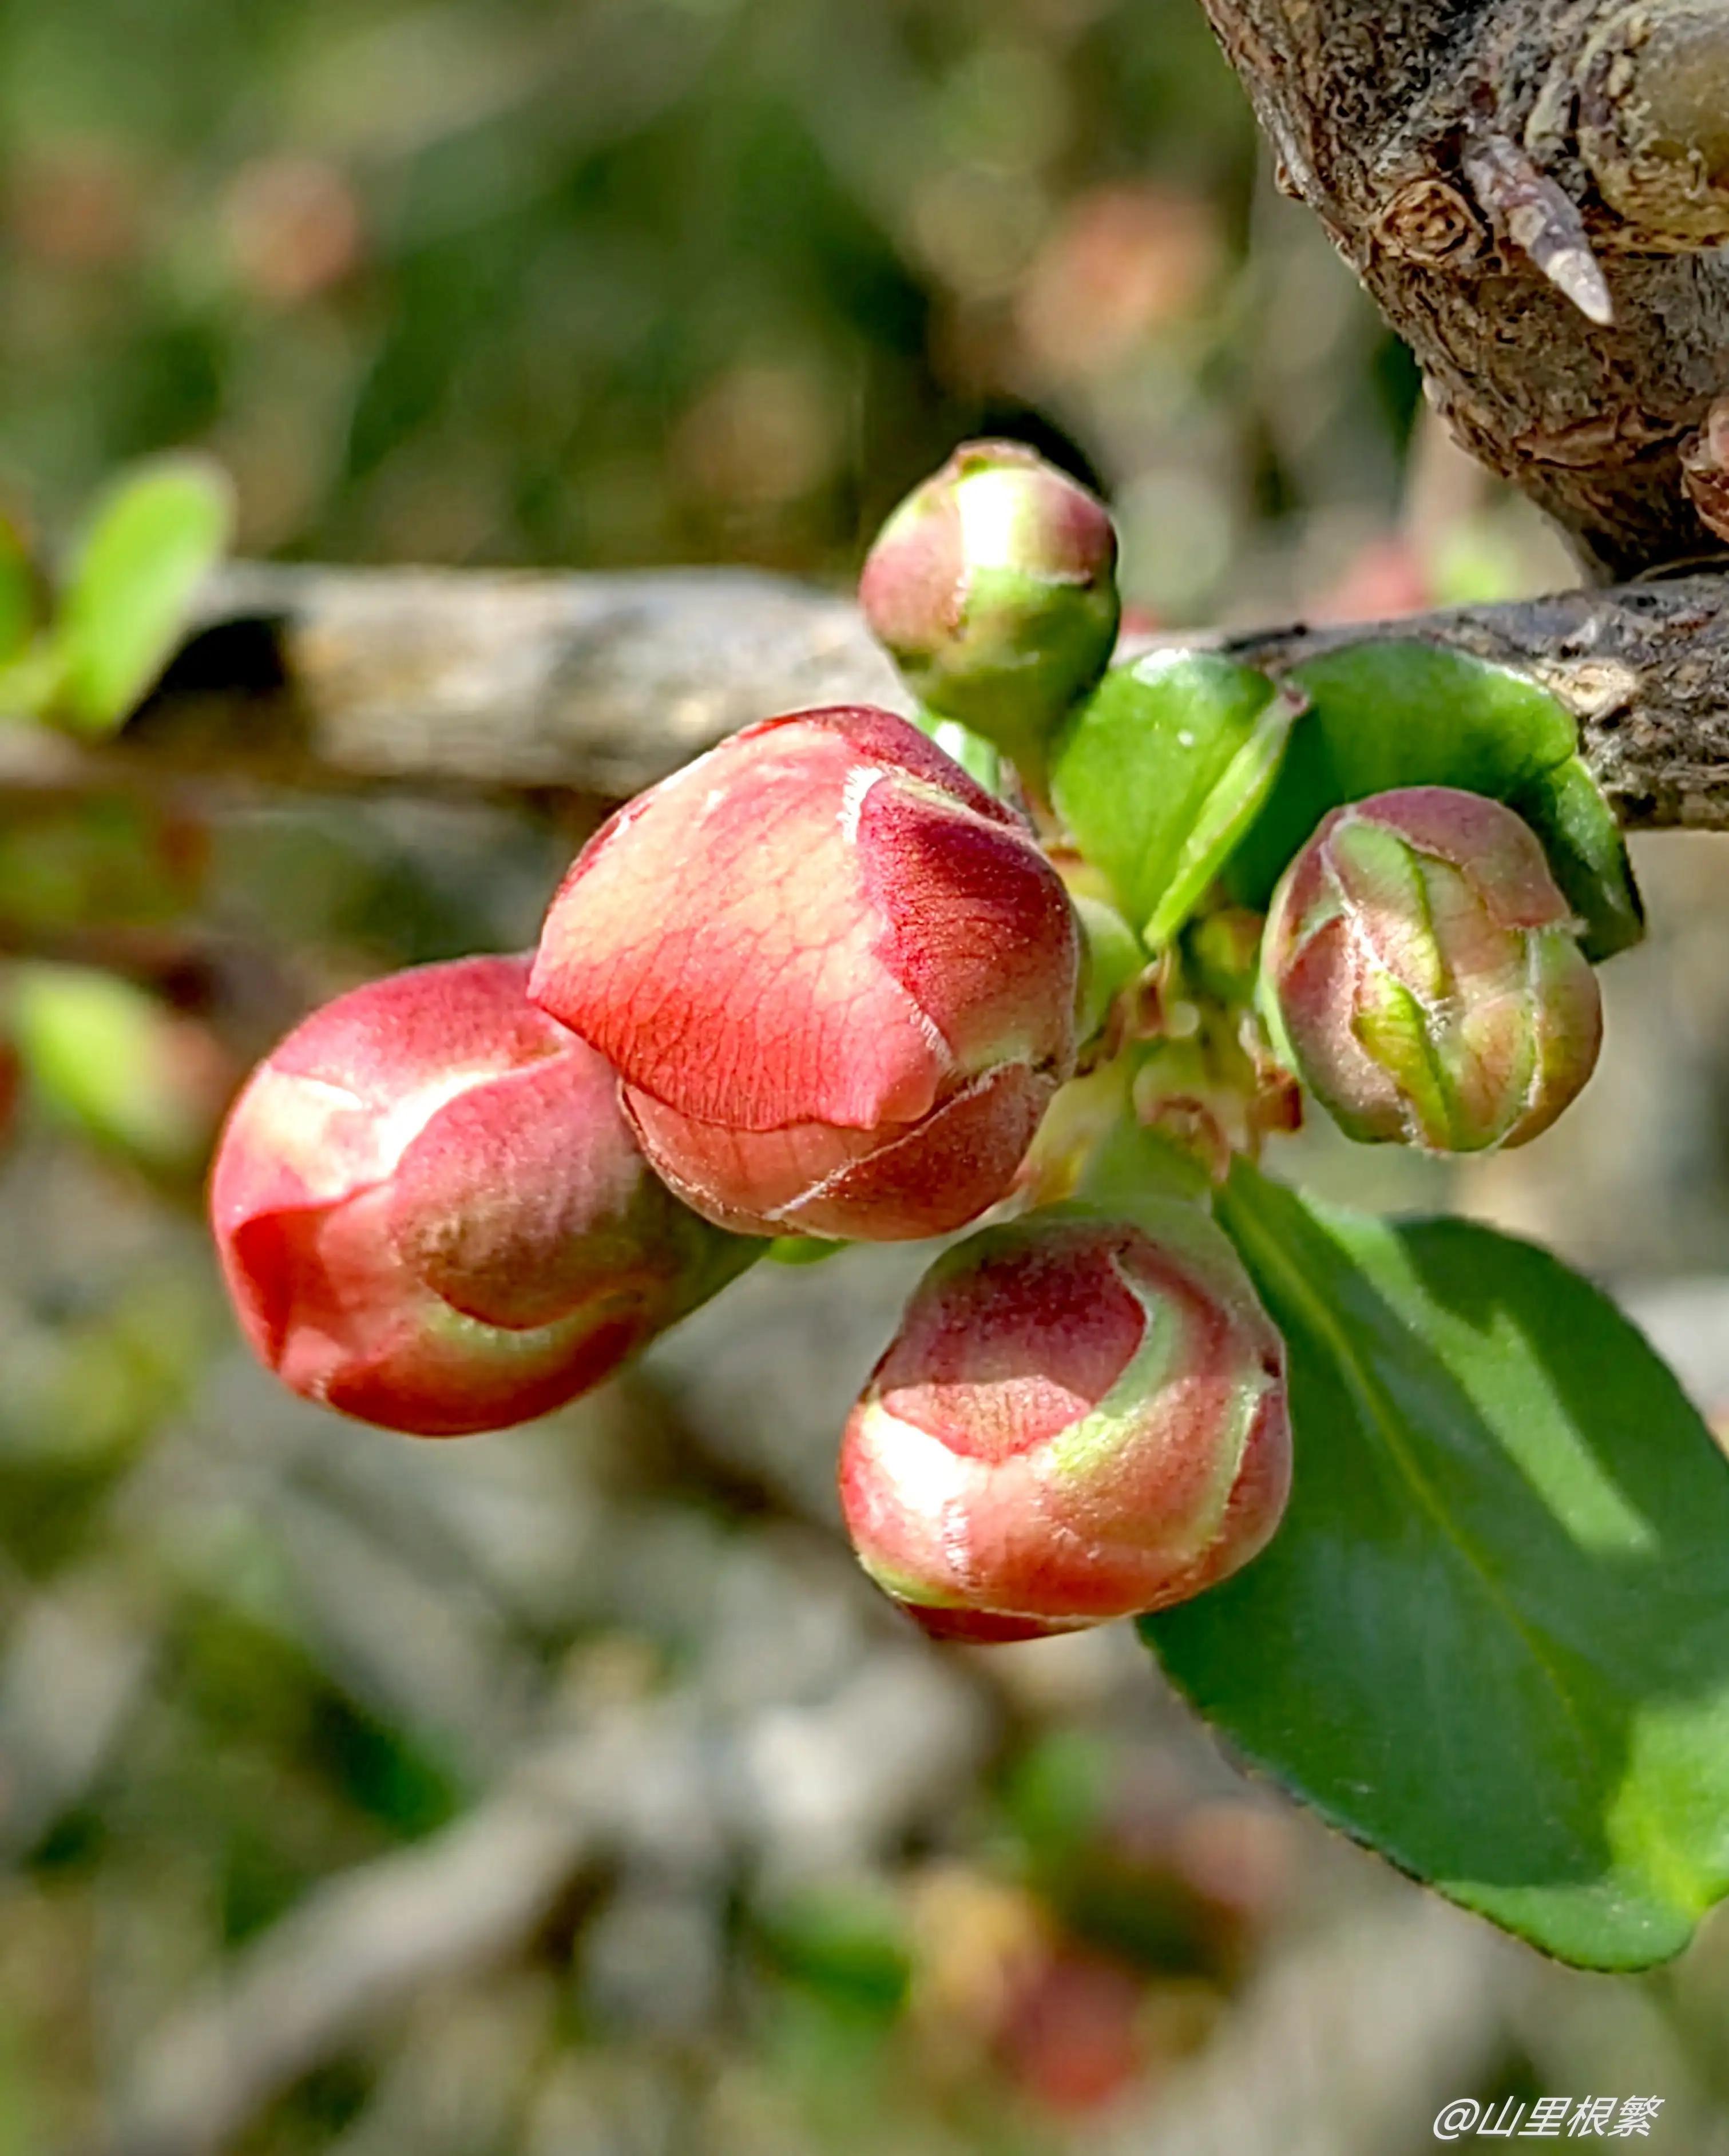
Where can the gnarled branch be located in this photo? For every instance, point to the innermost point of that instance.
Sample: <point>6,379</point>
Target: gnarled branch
<point>600,685</point>
<point>1535,193</point>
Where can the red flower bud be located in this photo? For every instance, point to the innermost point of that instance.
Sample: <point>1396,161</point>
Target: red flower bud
<point>1427,975</point>
<point>430,1214</point>
<point>837,978</point>
<point>993,588</point>
<point>1082,1418</point>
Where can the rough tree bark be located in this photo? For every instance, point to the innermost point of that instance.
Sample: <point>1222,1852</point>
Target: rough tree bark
<point>1502,174</point>
<point>321,678</point>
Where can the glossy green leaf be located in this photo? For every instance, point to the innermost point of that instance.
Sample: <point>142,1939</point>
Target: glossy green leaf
<point>151,542</point>
<point>1567,808</point>
<point>1398,713</point>
<point>1161,771</point>
<point>1491,1638</point>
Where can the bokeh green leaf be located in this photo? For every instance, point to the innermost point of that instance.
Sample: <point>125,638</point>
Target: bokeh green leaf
<point>1491,1639</point>
<point>151,543</point>
<point>18,593</point>
<point>106,1059</point>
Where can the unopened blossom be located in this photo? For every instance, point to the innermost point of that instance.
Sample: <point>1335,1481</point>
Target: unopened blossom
<point>837,977</point>
<point>1082,1417</point>
<point>431,1214</point>
<point>993,586</point>
<point>1425,973</point>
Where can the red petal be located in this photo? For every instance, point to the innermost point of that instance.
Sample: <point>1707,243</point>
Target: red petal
<point>514,1204</point>
<point>894,1185</point>
<point>330,1110</point>
<point>383,1041</point>
<point>717,945</point>
<point>1016,1346</point>
<point>979,929</point>
<point>329,1305</point>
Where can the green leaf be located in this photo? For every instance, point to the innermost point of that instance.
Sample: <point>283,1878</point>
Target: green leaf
<point>1567,808</point>
<point>100,1057</point>
<point>848,1942</point>
<point>153,541</point>
<point>1398,713</point>
<point>30,684</point>
<point>1491,1639</point>
<point>1161,771</point>
<point>18,593</point>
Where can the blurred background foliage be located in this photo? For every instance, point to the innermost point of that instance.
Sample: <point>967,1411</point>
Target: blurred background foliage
<point>635,281</point>
<point>569,1793</point>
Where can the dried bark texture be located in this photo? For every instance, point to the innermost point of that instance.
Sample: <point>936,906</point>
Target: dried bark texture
<point>1451,146</point>
<point>327,678</point>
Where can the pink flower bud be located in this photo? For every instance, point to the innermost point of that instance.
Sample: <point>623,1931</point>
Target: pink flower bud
<point>1082,1418</point>
<point>993,588</point>
<point>1426,973</point>
<point>837,978</point>
<point>430,1214</point>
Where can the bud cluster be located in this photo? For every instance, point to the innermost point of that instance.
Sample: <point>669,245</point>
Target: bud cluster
<point>824,983</point>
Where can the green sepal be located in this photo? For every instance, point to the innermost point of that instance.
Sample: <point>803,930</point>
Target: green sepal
<point>1112,957</point>
<point>802,1249</point>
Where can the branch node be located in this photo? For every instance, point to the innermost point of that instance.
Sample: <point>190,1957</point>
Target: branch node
<point>1541,220</point>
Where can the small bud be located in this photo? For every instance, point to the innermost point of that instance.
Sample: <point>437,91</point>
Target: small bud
<point>993,588</point>
<point>836,976</point>
<point>1082,1418</point>
<point>1426,975</point>
<point>431,1215</point>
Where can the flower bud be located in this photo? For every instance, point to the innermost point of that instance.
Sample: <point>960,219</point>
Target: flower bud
<point>430,1214</point>
<point>837,978</point>
<point>1082,1418</point>
<point>993,588</point>
<point>1425,972</point>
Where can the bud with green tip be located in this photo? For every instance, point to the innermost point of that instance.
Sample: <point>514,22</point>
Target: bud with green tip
<point>1083,1417</point>
<point>993,588</point>
<point>1425,972</point>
